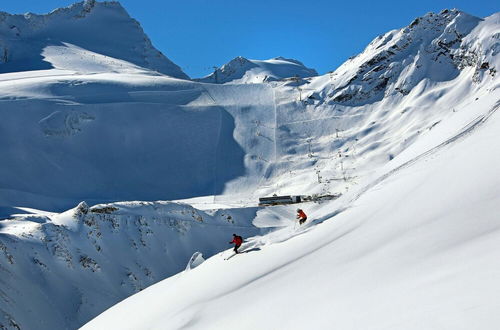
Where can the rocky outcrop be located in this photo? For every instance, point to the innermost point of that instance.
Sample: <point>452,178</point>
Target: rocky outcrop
<point>72,266</point>
<point>431,47</point>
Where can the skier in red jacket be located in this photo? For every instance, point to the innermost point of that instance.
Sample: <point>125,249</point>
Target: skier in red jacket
<point>301,216</point>
<point>237,240</point>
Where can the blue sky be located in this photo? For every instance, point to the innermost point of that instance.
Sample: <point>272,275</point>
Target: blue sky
<point>200,34</point>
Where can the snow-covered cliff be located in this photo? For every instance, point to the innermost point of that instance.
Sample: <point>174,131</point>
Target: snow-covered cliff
<point>59,270</point>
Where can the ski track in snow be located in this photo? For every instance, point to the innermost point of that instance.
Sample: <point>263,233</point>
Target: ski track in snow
<point>468,129</point>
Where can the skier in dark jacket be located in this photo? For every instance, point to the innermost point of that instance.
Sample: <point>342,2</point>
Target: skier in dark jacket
<point>237,240</point>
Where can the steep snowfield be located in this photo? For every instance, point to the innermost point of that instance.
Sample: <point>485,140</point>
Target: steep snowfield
<point>385,130</point>
<point>412,244</point>
<point>109,137</point>
<point>23,38</point>
<point>75,264</point>
<point>243,71</point>
<point>418,250</point>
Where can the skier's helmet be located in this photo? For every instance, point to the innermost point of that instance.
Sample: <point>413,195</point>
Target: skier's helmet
<point>298,210</point>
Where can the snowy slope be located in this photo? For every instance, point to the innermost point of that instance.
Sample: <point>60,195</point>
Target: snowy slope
<point>73,265</point>
<point>411,244</point>
<point>25,38</point>
<point>110,137</point>
<point>84,140</point>
<point>243,71</point>
<point>337,142</point>
<point>103,129</point>
<point>416,251</point>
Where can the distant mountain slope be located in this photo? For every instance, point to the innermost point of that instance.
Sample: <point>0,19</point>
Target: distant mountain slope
<point>243,71</point>
<point>104,28</point>
<point>433,48</point>
<point>336,129</point>
<point>120,136</point>
<point>124,133</point>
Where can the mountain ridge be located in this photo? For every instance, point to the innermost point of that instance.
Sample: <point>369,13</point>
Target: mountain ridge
<point>243,70</point>
<point>82,24</point>
<point>397,61</point>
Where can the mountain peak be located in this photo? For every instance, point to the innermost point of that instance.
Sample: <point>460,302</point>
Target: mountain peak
<point>243,70</point>
<point>103,28</point>
<point>395,62</point>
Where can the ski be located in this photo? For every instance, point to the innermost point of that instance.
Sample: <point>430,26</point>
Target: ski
<point>229,257</point>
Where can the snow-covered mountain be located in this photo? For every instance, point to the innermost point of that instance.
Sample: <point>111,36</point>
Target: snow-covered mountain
<point>399,130</point>
<point>243,71</point>
<point>433,48</point>
<point>38,42</point>
<point>60,269</point>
